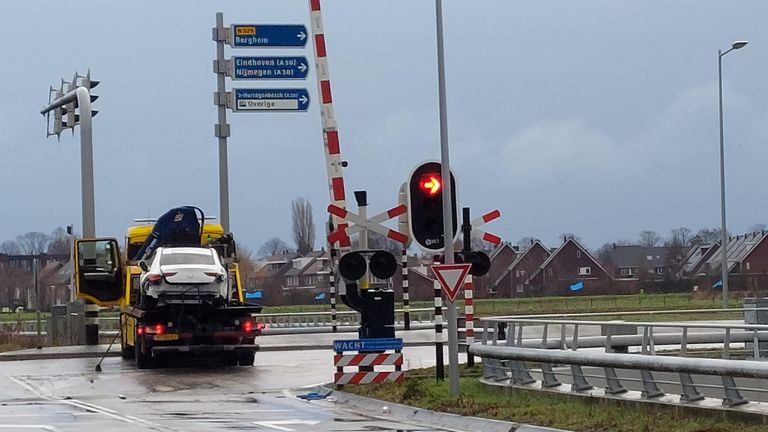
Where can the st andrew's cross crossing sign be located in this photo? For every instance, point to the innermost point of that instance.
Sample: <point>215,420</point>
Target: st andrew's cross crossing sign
<point>451,277</point>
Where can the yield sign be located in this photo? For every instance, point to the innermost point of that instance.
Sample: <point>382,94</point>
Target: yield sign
<point>451,277</point>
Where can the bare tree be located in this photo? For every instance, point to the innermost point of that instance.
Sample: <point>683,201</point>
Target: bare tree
<point>59,241</point>
<point>10,247</point>
<point>649,238</point>
<point>273,246</point>
<point>525,242</point>
<point>567,236</point>
<point>758,227</point>
<point>33,243</point>
<point>680,236</point>
<point>706,235</point>
<point>303,226</point>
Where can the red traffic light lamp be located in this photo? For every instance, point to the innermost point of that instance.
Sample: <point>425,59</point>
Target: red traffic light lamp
<point>431,184</point>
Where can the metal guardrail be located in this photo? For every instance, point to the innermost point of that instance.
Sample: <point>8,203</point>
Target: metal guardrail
<point>505,349</point>
<point>278,323</point>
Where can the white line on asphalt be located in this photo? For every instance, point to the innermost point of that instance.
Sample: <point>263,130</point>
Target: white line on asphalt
<point>88,407</point>
<point>276,424</point>
<point>30,426</point>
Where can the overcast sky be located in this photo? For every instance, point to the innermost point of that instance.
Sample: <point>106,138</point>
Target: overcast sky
<point>592,117</point>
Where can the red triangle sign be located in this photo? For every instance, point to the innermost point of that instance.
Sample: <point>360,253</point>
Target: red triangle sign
<point>451,277</point>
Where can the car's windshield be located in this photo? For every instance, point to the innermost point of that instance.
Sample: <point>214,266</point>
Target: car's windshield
<point>187,257</point>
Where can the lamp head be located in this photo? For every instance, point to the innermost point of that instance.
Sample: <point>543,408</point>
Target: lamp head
<point>739,44</point>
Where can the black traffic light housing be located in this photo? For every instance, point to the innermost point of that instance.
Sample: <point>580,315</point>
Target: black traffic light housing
<point>376,307</point>
<point>480,261</point>
<point>425,206</point>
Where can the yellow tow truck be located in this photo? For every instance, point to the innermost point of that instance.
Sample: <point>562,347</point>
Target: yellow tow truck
<point>191,325</point>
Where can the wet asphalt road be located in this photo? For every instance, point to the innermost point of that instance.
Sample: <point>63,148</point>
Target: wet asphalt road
<point>67,395</point>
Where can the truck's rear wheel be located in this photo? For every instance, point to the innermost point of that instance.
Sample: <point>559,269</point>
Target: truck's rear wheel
<point>126,351</point>
<point>143,360</point>
<point>247,358</point>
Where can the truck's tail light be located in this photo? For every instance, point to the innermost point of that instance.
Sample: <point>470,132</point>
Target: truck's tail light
<point>156,329</point>
<point>247,326</point>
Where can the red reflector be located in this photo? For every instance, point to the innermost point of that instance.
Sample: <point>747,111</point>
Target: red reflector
<point>212,274</point>
<point>260,326</point>
<point>154,277</point>
<point>169,274</point>
<point>159,329</point>
<point>140,330</point>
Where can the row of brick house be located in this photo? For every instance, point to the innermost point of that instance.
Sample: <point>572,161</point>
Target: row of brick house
<point>537,270</point>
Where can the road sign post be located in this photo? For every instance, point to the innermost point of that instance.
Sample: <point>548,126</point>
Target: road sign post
<point>453,340</point>
<point>221,129</point>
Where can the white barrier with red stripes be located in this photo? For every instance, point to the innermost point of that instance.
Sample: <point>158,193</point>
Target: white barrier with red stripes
<point>331,144</point>
<point>393,359</point>
<point>366,362</point>
<point>369,377</point>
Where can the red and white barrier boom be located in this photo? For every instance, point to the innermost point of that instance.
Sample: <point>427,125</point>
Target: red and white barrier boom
<point>333,161</point>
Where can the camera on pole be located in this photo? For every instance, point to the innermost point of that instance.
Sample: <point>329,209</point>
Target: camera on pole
<point>376,307</point>
<point>425,206</point>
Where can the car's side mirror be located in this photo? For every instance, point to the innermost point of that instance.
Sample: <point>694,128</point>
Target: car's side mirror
<point>143,266</point>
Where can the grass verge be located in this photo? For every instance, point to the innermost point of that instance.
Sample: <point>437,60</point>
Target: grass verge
<point>12,342</point>
<point>545,409</point>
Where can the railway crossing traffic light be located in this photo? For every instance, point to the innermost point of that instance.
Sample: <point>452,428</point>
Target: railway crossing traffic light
<point>376,307</point>
<point>425,206</point>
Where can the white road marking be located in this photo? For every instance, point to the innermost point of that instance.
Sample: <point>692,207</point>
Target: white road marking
<point>31,426</point>
<point>276,424</point>
<point>88,407</point>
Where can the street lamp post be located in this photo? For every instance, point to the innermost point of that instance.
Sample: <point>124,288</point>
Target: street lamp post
<point>723,230</point>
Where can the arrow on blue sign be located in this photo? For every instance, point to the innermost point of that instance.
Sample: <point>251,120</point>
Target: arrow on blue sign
<point>268,35</point>
<point>254,68</point>
<point>271,99</point>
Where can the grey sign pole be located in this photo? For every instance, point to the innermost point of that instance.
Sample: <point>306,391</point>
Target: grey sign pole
<point>36,276</point>
<point>221,129</point>
<point>453,337</point>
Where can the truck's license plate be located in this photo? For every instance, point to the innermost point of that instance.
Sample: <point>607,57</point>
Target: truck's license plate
<point>167,337</point>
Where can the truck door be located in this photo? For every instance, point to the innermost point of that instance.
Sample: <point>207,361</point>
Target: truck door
<point>99,273</point>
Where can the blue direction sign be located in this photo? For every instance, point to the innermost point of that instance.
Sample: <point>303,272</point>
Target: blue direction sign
<point>268,36</point>
<point>268,99</point>
<point>367,345</point>
<point>255,68</point>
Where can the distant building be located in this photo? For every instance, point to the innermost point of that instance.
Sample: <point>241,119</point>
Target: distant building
<point>514,280</point>
<point>570,270</point>
<point>646,263</point>
<point>747,257</point>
